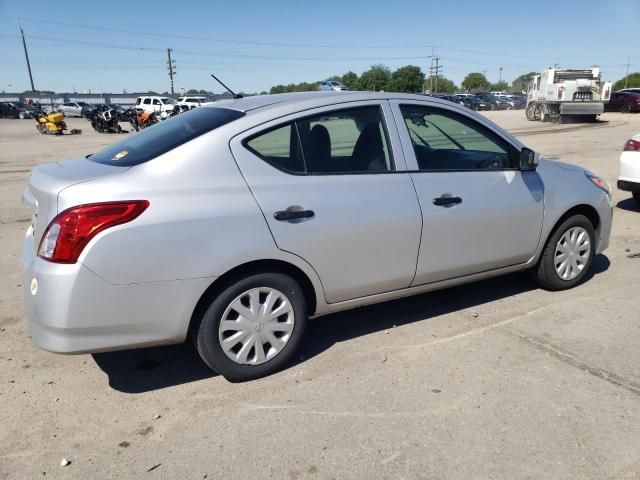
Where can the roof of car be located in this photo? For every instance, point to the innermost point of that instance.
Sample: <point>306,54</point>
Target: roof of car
<point>247,104</point>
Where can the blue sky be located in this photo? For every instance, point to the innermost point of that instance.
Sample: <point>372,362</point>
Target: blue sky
<point>253,45</point>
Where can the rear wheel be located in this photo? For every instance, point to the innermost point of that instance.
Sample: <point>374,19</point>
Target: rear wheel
<point>567,256</point>
<point>253,327</point>
<point>530,112</point>
<point>625,109</point>
<point>636,196</point>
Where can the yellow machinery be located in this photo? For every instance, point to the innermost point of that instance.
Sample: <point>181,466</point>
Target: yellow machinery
<point>52,123</point>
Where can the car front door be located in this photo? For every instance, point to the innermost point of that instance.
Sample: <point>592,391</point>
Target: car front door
<point>333,187</point>
<point>480,212</point>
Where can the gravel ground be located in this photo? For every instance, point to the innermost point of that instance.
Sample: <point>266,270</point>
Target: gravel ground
<point>491,380</point>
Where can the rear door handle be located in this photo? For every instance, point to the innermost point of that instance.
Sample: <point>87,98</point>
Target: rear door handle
<point>447,201</point>
<point>284,215</point>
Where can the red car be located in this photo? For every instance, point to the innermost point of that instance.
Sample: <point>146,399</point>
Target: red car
<point>624,102</point>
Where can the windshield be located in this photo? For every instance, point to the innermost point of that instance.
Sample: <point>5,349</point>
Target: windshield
<point>83,104</point>
<point>167,100</point>
<point>164,136</point>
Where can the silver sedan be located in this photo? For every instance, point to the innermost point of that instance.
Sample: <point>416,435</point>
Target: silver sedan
<point>234,223</point>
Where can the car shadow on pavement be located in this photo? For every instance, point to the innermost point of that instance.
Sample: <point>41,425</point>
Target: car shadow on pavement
<point>146,369</point>
<point>143,370</point>
<point>629,204</point>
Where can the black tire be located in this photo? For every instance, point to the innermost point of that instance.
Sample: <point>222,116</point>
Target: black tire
<point>544,273</point>
<point>636,196</point>
<point>625,109</point>
<point>206,336</point>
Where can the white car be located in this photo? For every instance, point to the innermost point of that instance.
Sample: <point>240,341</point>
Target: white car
<point>156,104</point>
<point>629,178</point>
<point>192,101</point>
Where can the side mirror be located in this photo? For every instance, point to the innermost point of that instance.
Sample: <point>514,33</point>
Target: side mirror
<point>529,159</point>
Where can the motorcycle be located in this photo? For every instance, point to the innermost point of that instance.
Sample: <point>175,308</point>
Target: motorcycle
<point>104,119</point>
<point>146,119</point>
<point>52,123</point>
<point>131,115</point>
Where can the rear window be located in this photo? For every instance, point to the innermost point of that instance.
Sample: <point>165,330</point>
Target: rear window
<point>164,136</point>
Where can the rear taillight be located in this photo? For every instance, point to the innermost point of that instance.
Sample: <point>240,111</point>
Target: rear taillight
<point>68,233</point>
<point>632,145</point>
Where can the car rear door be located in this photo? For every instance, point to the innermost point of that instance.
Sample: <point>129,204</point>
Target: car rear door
<point>479,211</point>
<point>333,187</point>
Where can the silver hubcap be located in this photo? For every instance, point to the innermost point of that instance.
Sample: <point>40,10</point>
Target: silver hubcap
<point>572,253</point>
<point>256,326</point>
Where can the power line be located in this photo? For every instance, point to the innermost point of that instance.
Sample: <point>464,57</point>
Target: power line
<point>285,44</point>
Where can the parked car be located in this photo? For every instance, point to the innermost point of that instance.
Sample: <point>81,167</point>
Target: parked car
<point>632,90</point>
<point>332,86</point>
<point>235,223</point>
<point>192,101</point>
<point>625,102</point>
<point>156,104</point>
<point>629,178</point>
<point>16,110</point>
<point>473,102</point>
<point>449,98</point>
<point>74,109</point>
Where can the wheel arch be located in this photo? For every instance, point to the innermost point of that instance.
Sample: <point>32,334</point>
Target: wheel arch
<point>252,268</point>
<point>581,209</point>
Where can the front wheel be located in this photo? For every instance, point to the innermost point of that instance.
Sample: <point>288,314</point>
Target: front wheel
<point>625,109</point>
<point>253,327</point>
<point>567,256</point>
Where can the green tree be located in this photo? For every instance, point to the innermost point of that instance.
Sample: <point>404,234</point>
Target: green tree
<point>475,81</point>
<point>191,91</point>
<point>444,85</point>
<point>152,92</point>
<point>633,81</point>
<point>520,83</point>
<point>376,78</point>
<point>350,80</point>
<point>500,86</point>
<point>407,79</point>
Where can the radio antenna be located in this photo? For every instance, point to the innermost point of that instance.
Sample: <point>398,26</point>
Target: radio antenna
<point>235,95</point>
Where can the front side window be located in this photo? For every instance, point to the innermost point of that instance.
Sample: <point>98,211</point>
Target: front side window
<point>443,140</point>
<point>337,142</point>
<point>156,101</point>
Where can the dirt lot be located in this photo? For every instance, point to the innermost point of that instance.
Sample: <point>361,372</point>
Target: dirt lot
<point>536,385</point>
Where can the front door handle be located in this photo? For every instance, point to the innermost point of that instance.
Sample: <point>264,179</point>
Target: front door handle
<point>284,215</point>
<point>447,201</point>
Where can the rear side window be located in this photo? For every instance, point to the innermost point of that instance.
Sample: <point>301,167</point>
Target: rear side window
<point>147,101</point>
<point>164,136</point>
<point>342,141</point>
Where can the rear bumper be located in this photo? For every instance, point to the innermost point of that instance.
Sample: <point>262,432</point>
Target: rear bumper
<point>581,108</point>
<point>70,309</point>
<point>628,186</point>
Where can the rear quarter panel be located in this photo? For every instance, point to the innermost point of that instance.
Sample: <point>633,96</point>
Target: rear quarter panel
<point>201,222</point>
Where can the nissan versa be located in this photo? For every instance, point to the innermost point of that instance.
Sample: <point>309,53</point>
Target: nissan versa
<point>234,223</point>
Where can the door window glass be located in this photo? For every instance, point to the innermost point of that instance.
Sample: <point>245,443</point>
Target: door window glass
<point>346,141</point>
<point>280,148</point>
<point>147,101</point>
<point>341,141</point>
<point>443,140</point>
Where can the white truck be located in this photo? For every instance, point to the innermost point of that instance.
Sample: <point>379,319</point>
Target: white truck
<point>560,92</point>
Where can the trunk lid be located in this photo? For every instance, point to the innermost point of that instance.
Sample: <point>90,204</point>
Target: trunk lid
<point>47,181</point>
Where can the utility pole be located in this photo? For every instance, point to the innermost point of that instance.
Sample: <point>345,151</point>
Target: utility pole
<point>171,65</point>
<point>434,72</point>
<point>500,80</point>
<point>626,77</point>
<point>26,55</point>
